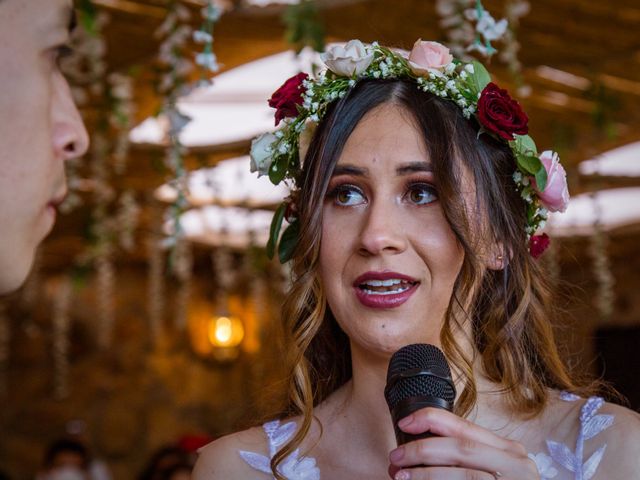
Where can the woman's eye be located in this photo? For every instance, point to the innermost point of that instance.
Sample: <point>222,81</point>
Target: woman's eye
<point>421,193</point>
<point>347,195</point>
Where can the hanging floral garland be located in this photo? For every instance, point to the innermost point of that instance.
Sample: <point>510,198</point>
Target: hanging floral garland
<point>598,249</point>
<point>515,10</point>
<point>155,292</point>
<point>471,28</point>
<point>183,271</point>
<point>61,329</point>
<point>112,216</point>
<point>174,83</point>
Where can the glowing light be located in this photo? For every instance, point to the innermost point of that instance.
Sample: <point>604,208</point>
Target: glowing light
<point>225,332</point>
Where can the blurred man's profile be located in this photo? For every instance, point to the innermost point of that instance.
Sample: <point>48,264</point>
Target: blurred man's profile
<point>40,128</point>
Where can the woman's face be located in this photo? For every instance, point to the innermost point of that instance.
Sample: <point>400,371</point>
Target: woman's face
<point>388,257</point>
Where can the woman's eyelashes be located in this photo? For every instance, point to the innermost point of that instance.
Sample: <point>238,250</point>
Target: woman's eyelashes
<point>347,195</point>
<point>415,193</point>
<point>420,193</point>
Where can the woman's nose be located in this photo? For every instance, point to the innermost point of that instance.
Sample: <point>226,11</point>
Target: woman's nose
<point>382,230</point>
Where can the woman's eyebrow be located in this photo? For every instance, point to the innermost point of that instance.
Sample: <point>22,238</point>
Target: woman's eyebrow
<point>350,170</point>
<point>413,167</point>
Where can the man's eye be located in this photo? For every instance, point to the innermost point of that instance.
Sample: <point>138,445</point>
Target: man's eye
<point>61,52</point>
<point>347,195</point>
<point>421,193</point>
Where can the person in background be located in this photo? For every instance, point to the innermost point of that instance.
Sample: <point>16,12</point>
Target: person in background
<point>40,128</point>
<point>66,459</point>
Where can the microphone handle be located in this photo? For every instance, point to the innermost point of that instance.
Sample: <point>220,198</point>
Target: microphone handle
<point>409,405</point>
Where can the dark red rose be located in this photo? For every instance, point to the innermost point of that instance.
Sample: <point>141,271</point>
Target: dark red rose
<point>500,114</point>
<point>538,244</point>
<point>291,213</point>
<point>287,98</point>
<point>191,443</point>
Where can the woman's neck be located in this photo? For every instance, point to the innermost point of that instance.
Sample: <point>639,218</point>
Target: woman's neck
<point>360,405</point>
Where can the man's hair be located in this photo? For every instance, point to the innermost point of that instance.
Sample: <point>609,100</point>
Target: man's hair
<point>66,445</point>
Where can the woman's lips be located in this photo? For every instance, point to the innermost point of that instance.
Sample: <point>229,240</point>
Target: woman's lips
<point>384,289</point>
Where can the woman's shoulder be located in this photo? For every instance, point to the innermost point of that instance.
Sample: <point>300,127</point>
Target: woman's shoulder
<point>620,442</point>
<point>592,436</point>
<point>222,459</point>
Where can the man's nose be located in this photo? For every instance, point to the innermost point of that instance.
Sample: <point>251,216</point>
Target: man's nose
<point>70,137</point>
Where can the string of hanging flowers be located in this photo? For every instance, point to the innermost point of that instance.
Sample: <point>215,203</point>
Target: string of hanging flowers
<point>175,82</point>
<point>470,28</point>
<point>113,215</point>
<point>61,331</point>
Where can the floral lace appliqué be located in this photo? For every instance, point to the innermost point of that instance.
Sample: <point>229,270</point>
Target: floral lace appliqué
<point>294,467</point>
<point>591,424</point>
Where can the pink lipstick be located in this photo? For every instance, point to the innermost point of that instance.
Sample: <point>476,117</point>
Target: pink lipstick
<point>384,289</point>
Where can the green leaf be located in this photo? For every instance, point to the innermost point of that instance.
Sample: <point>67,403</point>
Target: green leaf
<point>274,231</point>
<point>524,144</point>
<point>480,77</point>
<point>278,169</point>
<point>529,164</point>
<point>288,242</point>
<point>541,179</point>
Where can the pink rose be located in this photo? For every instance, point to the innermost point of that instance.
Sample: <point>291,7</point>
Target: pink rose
<point>555,196</point>
<point>426,57</point>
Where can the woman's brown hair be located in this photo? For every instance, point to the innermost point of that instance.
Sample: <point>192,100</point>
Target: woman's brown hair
<point>511,323</point>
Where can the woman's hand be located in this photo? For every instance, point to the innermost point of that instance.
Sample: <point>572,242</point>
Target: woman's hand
<point>462,450</point>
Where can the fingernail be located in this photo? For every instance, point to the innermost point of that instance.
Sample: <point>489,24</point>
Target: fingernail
<point>405,421</point>
<point>396,455</point>
<point>403,475</point>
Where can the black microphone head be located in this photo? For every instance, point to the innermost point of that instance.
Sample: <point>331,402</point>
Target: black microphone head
<point>419,370</point>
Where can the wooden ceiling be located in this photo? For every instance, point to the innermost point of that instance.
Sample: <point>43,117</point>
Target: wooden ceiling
<point>598,42</point>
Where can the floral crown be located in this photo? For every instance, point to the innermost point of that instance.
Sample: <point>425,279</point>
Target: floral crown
<point>302,101</point>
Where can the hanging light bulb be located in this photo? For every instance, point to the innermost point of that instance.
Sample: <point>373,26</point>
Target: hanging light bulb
<point>225,332</point>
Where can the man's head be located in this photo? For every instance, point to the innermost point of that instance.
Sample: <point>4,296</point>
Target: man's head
<point>40,128</point>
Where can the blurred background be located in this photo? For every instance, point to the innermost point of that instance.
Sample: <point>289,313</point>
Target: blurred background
<point>150,323</point>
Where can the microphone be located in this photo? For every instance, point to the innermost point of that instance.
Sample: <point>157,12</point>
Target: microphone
<point>418,376</point>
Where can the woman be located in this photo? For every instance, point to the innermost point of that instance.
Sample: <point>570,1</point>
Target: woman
<point>413,221</point>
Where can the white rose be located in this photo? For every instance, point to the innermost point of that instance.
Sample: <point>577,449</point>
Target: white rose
<point>262,153</point>
<point>305,138</point>
<point>352,59</point>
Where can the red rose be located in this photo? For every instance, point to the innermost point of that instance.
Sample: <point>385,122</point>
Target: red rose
<point>500,114</point>
<point>287,98</point>
<point>538,244</point>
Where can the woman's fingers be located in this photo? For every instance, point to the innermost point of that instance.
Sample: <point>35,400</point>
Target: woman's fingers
<point>438,473</point>
<point>446,424</point>
<point>462,453</point>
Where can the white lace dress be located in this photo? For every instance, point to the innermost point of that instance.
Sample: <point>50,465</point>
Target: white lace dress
<point>559,462</point>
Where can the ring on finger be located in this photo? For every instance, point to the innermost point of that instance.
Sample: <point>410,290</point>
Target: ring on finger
<point>497,474</point>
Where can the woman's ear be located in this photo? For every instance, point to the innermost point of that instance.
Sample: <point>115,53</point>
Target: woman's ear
<point>497,258</point>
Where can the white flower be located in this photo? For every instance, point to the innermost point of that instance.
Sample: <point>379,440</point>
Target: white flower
<point>489,28</point>
<point>202,37</point>
<point>305,137</point>
<point>208,60</point>
<point>469,68</point>
<point>211,12</point>
<point>352,59</point>
<point>261,157</point>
